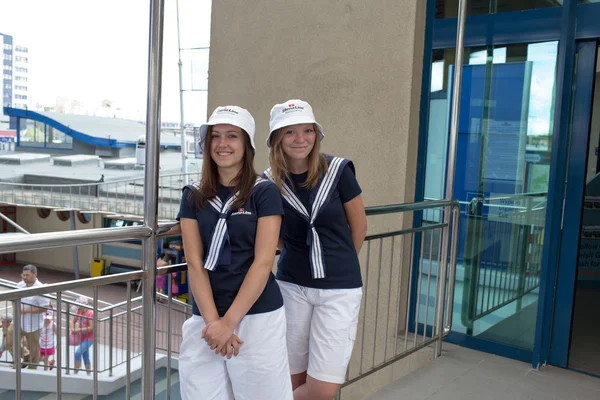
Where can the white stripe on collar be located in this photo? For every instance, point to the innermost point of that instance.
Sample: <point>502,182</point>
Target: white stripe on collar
<point>219,235</point>
<point>323,193</point>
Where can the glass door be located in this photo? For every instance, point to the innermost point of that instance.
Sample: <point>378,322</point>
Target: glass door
<point>575,340</point>
<point>576,331</point>
<point>584,354</point>
<point>502,174</point>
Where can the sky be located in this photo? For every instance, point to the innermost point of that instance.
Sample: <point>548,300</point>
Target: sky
<point>92,50</point>
<point>543,59</point>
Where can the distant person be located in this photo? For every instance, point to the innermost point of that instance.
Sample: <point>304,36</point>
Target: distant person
<point>8,338</point>
<point>82,327</point>
<point>33,309</point>
<point>47,349</point>
<point>161,280</point>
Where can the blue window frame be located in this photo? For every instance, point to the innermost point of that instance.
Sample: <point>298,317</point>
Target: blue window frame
<point>569,252</point>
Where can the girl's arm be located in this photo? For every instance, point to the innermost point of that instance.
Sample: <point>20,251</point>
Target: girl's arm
<point>267,237</point>
<point>198,275</point>
<point>357,219</point>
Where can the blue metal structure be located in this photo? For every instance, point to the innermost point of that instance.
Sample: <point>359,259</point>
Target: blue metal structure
<point>569,250</point>
<point>75,134</point>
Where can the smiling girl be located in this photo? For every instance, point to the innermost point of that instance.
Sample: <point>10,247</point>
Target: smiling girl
<point>234,345</point>
<point>318,270</point>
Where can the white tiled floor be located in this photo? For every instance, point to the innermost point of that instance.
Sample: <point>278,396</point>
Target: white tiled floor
<point>463,374</point>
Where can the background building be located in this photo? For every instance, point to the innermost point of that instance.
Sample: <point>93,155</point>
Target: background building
<point>15,76</point>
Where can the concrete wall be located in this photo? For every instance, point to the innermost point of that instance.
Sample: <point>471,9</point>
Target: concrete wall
<point>58,259</point>
<point>359,65</point>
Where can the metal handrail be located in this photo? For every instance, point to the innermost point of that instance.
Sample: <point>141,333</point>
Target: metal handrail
<point>77,185</point>
<point>48,240</point>
<point>48,289</point>
<point>12,285</point>
<point>520,195</point>
<point>11,295</point>
<point>394,208</point>
<point>125,308</point>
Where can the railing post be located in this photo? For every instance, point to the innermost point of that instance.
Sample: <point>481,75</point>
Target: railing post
<point>452,276</point>
<point>441,276</point>
<point>524,246</point>
<point>58,356</point>
<point>110,343</point>
<point>68,347</point>
<point>151,197</point>
<point>17,346</point>
<point>95,346</point>
<point>169,315</point>
<point>456,91</point>
<point>128,344</point>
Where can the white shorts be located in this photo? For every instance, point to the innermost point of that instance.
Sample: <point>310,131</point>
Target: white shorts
<point>321,329</point>
<point>260,371</point>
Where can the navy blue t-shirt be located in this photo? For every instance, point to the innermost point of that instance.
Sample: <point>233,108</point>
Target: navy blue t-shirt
<point>341,261</point>
<point>229,274</point>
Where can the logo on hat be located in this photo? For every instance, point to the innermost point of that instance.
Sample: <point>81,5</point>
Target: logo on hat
<point>228,110</point>
<point>292,108</point>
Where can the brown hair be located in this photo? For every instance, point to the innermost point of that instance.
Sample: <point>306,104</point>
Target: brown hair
<point>317,164</point>
<point>243,182</point>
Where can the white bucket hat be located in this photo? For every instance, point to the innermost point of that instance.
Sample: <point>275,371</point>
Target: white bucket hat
<point>292,112</point>
<point>232,115</point>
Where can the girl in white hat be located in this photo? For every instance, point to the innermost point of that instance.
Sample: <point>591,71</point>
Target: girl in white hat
<point>47,333</point>
<point>318,271</point>
<point>234,345</point>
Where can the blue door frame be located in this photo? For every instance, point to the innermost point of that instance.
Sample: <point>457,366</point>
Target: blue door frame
<point>576,177</point>
<point>565,24</point>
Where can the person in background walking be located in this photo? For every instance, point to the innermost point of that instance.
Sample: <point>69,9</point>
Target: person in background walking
<point>83,325</point>
<point>8,339</point>
<point>33,309</point>
<point>47,333</point>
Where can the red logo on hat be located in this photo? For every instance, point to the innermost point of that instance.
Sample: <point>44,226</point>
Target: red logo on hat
<point>290,105</point>
<point>240,210</point>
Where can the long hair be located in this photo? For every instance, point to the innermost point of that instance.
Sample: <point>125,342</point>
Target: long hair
<point>243,182</point>
<point>317,164</point>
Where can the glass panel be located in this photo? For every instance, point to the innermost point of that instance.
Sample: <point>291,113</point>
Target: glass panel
<point>501,180</point>
<point>32,133</point>
<point>585,333</point>
<point>57,139</point>
<point>449,8</point>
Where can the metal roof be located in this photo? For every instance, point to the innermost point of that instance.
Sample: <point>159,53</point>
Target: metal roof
<point>97,131</point>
